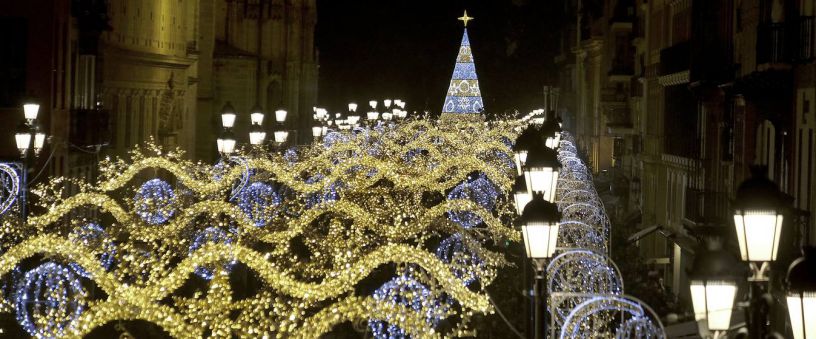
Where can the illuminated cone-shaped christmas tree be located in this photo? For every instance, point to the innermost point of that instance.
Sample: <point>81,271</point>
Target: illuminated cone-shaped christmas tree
<point>464,99</point>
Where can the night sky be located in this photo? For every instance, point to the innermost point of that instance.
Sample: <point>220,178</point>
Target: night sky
<point>407,48</point>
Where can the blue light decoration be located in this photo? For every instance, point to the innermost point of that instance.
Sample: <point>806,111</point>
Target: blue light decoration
<point>94,236</point>
<point>259,201</point>
<point>222,168</point>
<point>505,159</point>
<point>49,300</point>
<point>328,195</point>
<point>290,156</point>
<point>464,96</point>
<point>478,189</point>
<point>412,154</point>
<point>155,202</point>
<point>211,235</point>
<point>8,283</point>
<point>507,142</point>
<point>333,138</point>
<point>10,184</point>
<point>407,291</point>
<point>464,263</point>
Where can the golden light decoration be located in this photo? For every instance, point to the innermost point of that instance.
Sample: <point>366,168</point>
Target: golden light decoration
<point>349,212</point>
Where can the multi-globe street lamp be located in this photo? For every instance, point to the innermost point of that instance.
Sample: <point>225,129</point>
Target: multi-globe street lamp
<point>226,141</point>
<point>30,139</point>
<point>539,218</point>
<point>759,214</point>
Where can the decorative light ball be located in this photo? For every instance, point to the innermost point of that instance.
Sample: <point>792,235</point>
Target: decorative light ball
<point>464,264</point>
<point>155,202</point>
<point>290,156</point>
<point>211,235</point>
<point>259,201</point>
<point>328,195</point>
<point>406,291</point>
<point>413,154</point>
<point>333,138</point>
<point>478,189</point>
<point>94,236</point>
<point>49,300</point>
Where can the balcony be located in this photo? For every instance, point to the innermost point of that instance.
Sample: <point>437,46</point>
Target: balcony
<point>804,48</point>
<point>704,207</point>
<point>83,120</point>
<point>675,59</point>
<point>772,45</point>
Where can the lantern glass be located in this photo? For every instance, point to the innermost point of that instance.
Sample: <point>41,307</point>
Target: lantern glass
<point>540,239</point>
<point>256,118</point>
<point>23,140</point>
<point>551,142</point>
<point>372,115</point>
<point>280,136</point>
<point>373,104</point>
<point>758,234</point>
<point>387,102</point>
<point>521,199</point>
<point>802,310</point>
<point>280,115</point>
<point>352,107</point>
<point>31,110</point>
<point>228,119</point>
<point>257,137</point>
<point>521,158</point>
<point>542,179</point>
<point>39,141</point>
<point>316,131</point>
<point>713,302</point>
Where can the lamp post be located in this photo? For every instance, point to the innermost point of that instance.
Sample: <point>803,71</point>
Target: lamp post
<point>758,217</point>
<point>713,286</point>
<point>541,171</point>
<point>539,223</point>
<point>280,134</point>
<point>257,134</point>
<point>524,142</point>
<point>801,296</point>
<point>30,140</point>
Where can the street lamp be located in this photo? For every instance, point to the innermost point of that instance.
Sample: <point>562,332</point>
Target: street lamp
<point>524,142</point>
<point>521,196</point>
<point>802,295</point>
<point>552,133</point>
<point>541,171</point>
<point>713,285</point>
<point>373,104</point>
<point>228,115</point>
<point>22,136</point>
<point>30,110</point>
<point>539,227</point>
<point>226,143</point>
<point>758,221</point>
<point>257,134</point>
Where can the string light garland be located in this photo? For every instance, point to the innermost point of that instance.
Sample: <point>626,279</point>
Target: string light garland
<point>332,215</point>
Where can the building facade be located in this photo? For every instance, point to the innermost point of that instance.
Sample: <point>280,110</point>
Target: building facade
<point>139,70</point>
<point>676,99</point>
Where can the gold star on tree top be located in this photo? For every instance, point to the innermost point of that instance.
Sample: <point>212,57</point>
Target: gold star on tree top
<point>465,18</point>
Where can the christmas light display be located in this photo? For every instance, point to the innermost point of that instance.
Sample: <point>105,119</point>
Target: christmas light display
<point>49,300</point>
<point>464,98</point>
<point>155,202</point>
<point>93,236</point>
<point>327,228</point>
<point>477,189</point>
<point>585,288</point>
<point>10,184</point>
<point>465,264</point>
<point>259,202</point>
<point>207,236</point>
<point>407,291</point>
